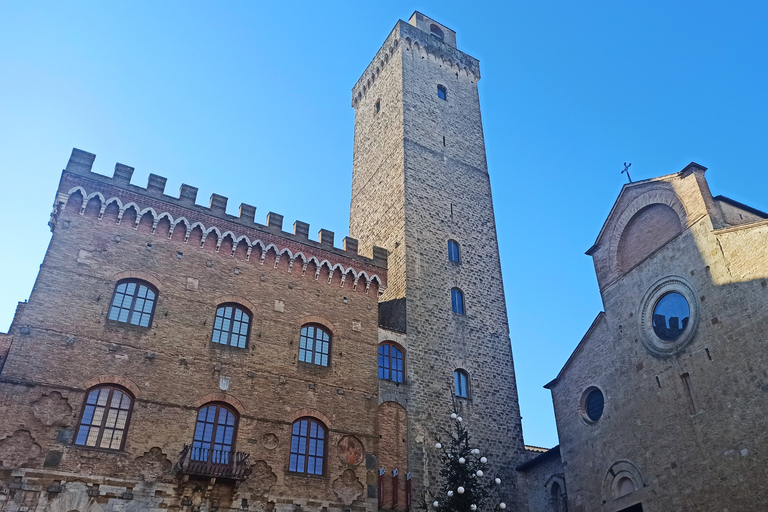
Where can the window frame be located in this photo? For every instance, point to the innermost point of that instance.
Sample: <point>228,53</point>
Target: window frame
<point>236,307</point>
<point>305,454</point>
<point>457,374</point>
<point>441,89</point>
<point>219,406</point>
<point>134,297</point>
<point>437,32</point>
<point>454,244</point>
<point>105,415</point>
<point>399,348</point>
<point>457,301</point>
<point>314,341</point>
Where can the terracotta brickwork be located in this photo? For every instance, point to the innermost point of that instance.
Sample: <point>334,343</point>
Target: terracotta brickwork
<point>420,179</point>
<point>683,422</point>
<point>64,345</point>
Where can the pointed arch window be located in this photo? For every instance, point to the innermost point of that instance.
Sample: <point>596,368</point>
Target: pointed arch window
<point>307,447</point>
<point>133,302</point>
<point>453,251</point>
<point>391,362</point>
<point>215,432</point>
<point>457,301</point>
<point>461,383</point>
<point>232,325</point>
<point>314,345</point>
<point>104,419</point>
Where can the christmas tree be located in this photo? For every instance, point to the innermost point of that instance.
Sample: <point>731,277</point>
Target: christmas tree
<point>465,484</point>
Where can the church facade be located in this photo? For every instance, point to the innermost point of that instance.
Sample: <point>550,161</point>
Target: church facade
<point>174,357</point>
<point>662,405</point>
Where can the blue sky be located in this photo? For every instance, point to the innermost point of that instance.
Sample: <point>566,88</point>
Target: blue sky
<point>252,101</point>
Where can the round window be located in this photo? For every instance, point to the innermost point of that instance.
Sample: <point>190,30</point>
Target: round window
<point>670,316</point>
<point>594,404</point>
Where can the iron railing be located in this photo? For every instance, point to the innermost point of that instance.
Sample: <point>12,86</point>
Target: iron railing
<point>213,463</point>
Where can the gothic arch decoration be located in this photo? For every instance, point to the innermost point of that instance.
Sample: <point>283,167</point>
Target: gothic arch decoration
<point>618,477</point>
<point>655,196</point>
<point>347,274</point>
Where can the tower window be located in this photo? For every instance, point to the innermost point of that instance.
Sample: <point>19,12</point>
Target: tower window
<point>377,107</point>
<point>436,31</point>
<point>231,326</point>
<point>442,92</point>
<point>453,251</point>
<point>133,302</point>
<point>457,301</point>
<point>391,362</point>
<point>461,383</point>
<point>314,345</point>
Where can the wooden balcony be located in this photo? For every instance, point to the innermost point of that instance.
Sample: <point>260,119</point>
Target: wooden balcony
<point>213,464</point>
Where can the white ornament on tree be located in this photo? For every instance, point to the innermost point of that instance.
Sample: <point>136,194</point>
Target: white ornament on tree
<point>483,460</point>
<point>475,452</point>
<point>453,415</point>
<point>498,480</point>
<point>502,506</point>
<point>462,460</point>
<point>458,418</point>
<point>473,507</point>
<point>460,490</point>
<point>438,445</point>
<point>435,504</point>
<point>450,493</point>
<point>479,472</point>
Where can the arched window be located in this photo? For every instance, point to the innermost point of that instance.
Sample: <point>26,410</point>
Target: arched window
<point>557,498</point>
<point>453,251</point>
<point>215,432</point>
<point>104,419</point>
<point>436,31</point>
<point>133,302</point>
<point>377,108</point>
<point>442,92</point>
<point>461,383</point>
<point>391,362</point>
<point>232,325</point>
<point>314,345</point>
<point>307,447</point>
<point>457,301</point>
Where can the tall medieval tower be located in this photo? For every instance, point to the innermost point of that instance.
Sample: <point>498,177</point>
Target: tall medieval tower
<point>420,181</point>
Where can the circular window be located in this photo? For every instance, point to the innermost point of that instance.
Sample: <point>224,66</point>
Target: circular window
<point>595,404</point>
<point>592,404</point>
<point>669,316</point>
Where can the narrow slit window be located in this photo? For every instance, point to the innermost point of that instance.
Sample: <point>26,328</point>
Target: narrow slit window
<point>442,92</point>
<point>457,301</point>
<point>453,251</point>
<point>461,383</point>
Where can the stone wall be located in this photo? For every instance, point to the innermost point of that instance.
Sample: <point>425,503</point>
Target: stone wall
<point>64,344</point>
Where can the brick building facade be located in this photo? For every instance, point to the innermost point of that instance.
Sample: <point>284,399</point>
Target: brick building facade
<point>174,357</point>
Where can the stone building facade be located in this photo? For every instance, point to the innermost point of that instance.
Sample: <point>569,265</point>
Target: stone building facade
<point>174,357</point>
<point>662,405</point>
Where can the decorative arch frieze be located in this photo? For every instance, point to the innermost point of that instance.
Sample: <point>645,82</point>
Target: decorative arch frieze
<point>208,231</point>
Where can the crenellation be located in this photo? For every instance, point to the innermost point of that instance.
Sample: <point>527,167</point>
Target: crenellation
<point>187,194</point>
<point>156,185</point>
<point>301,229</point>
<point>325,238</point>
<point>80,161</point>
<point>247,213</point>
<point>218,204</point>
<point>123,174</point>
<point>350,244</point>
<point>275,221</point>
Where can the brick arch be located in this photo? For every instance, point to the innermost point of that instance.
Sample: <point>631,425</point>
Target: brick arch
<point>235,299</point>
<point>655,196</point>
<point>312,413</point>
<point>113,379</point>
<point>315,319</point>
<point>140,274</point>
<point>221,397</point>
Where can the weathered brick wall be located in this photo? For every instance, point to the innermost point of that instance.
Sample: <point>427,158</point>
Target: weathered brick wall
<point>420,193</point>
<point>393,431</point>
<point>539,476</point>
<point>5,344</point>
<point>691,424</point>
<point>64,344</point>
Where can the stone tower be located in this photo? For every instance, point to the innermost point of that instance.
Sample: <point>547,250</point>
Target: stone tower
<point>420,180</point>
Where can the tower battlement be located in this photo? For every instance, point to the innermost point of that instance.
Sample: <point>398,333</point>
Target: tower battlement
<point>151,204</point>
